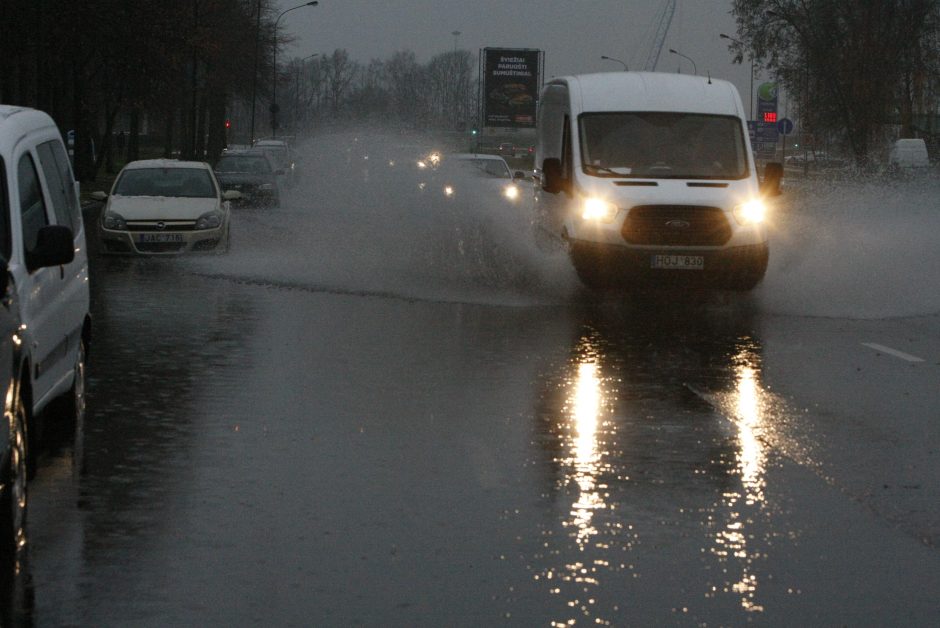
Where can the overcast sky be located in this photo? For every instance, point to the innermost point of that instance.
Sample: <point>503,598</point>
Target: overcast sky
<point>573,33</point>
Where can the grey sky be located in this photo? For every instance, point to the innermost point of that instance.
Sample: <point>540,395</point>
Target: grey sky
<point>573,33</point>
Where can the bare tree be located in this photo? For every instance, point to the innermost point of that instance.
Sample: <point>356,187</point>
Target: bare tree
<point>845,62</point>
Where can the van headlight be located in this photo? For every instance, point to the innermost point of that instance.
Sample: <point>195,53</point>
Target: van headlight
<point>113,221</point>
<point>594,208</point>
<point>752,212</point>
<point>209,220</point>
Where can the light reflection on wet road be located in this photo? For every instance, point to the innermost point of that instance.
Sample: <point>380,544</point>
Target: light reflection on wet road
<point>273,453</point>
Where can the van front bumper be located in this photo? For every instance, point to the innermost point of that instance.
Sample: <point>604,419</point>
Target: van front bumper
<point>601,264</point>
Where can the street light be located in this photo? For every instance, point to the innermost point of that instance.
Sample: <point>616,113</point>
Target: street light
<point>694,68</point>
<point>297,98</point>
<point>751,95</point>
<point>606,58</point>
<point>312,3</point>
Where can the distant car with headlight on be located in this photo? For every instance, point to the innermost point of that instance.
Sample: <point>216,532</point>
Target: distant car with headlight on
<point>165,207</point>
<point>491,172</point>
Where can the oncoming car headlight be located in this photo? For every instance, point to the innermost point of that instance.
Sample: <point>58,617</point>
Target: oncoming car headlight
<point>113,221</point>
<point>752,212</point>
<point>511,192</point>
<point>594,208</point>
<point>209,220</point>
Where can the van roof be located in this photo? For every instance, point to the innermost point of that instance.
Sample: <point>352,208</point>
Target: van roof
<point>652,91</point>
<point>15,122</point>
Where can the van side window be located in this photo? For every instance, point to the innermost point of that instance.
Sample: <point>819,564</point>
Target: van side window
<point>566,150</point>
<point>4,213</point>
<point>55,167</point>
<point>32,205</point>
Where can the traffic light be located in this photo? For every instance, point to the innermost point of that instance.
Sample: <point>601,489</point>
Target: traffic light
<point>770,116</point>
<point>228,124</point>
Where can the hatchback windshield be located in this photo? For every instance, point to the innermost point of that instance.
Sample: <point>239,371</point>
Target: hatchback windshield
<point>485,167</point>
<point>184,182</point>
<point>254,164</point>
<point>663,146</point>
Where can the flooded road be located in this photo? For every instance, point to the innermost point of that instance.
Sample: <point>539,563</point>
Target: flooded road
<point>305,432</point>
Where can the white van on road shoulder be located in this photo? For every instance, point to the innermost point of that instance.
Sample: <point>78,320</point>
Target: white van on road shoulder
<point>42,240</point>
<point>650,177</point>
<point>909,154</point>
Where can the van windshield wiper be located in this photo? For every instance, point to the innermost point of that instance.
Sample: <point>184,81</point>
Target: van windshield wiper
<point>606,170</point>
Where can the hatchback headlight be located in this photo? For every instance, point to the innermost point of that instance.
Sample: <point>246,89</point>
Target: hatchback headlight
<point>209,220</point>
<point>752,212</point>
<point>594,208</point>
<point>113,221</point>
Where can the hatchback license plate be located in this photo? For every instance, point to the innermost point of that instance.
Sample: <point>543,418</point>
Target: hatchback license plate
<point>159,238</point>
<point>678,262</point>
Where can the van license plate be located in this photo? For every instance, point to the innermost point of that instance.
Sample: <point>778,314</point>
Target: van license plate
<point>678,262</point>
<point>150,238</point>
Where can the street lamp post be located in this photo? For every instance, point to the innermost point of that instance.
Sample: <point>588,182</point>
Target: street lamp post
<point>297,97</point>
<point>274,107</point>
<point>751,95</point>
<point>254,77</point>
<point>694,67</point>
<point>606,58</point>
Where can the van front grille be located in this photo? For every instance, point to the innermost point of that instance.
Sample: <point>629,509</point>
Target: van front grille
<point>676,225</point>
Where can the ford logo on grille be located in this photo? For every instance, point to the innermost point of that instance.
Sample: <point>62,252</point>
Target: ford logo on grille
<point>161,225</point>
<point>678,224</point>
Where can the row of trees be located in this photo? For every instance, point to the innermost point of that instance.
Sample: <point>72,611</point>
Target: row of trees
<point>852,67</point>
<point>188,66</point>
<point>439,94</point>
<point>178,61</point>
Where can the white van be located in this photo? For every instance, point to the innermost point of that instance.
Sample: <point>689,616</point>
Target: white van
<point>42,239</point>
<point>649,177</point>
<point>909,154</point>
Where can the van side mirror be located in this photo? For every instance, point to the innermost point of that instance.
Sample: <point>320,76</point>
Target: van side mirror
<point>55,245</point>
<point>552,179</point>
<point>773,176</point>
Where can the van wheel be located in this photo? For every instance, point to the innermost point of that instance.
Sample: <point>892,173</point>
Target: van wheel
<point>75,398</point>
<point>749,276</point>
<point>13,505</point>
<point>589,271</point>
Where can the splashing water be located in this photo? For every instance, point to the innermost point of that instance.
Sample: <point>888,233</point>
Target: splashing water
<point>359,221</point>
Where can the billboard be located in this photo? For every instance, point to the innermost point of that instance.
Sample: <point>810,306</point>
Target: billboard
<point>510,87</point>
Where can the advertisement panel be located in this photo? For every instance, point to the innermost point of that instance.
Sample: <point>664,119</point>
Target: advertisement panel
<point>511,81</point>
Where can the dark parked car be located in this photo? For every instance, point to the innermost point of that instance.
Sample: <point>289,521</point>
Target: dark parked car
<point>253,173</point>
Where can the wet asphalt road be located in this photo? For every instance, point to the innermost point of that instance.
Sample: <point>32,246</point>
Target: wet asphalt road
<point>286,444</point>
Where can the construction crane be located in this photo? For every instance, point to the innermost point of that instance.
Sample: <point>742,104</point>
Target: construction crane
<point>662,27</point>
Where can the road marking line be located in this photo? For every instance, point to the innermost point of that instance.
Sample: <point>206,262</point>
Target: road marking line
<point>898,354</point>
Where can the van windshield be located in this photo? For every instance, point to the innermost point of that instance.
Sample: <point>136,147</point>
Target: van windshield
<point>657,145</point>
